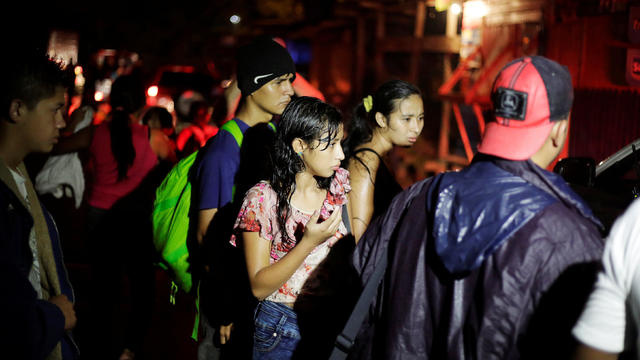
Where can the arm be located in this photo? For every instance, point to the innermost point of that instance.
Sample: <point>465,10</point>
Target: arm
<point>74,142</point>
<point>161,146</point>
<point>215,185</point>
<point>360,204</point>
<point>266,278</point>
<point>603,322</point>
<point>204,219</point>
<point>584,352</point>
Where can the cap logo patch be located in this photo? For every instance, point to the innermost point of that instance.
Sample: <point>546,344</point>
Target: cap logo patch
<point>510,104</point>
<point>255,79</point>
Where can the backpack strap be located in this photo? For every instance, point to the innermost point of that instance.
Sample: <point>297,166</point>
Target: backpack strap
<point>232,128</point>
<point>344,341</point>
<point>345,218</point>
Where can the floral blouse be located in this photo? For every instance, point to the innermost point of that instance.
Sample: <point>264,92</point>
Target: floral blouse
<point>259,214</point>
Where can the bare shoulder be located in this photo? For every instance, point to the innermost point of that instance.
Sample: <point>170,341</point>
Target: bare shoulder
<point>363,166</point>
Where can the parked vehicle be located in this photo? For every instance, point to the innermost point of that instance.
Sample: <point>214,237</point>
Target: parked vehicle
<point>608,187</point>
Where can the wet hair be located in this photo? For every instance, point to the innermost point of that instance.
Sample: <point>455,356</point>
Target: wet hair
<point>127,96</point>
<point>308,119</point>
<point>386,100</point>
<point>30,76</point>
<point>164,117</point>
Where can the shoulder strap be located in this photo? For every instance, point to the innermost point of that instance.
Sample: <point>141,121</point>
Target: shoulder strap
<point>232,127</point>
<point>346,339</point>
<point>345,218</point>
<point>369,150</point>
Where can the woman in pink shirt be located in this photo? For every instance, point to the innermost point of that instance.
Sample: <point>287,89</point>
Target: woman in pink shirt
<point>119,239</point>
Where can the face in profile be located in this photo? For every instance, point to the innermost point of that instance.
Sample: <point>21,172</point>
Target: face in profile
<point>275,95</point>
<point>323,156</point>
<point>43,122</point>
<point>406,121</point>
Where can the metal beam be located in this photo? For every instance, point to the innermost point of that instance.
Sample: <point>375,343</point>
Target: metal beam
<point>430,43</point>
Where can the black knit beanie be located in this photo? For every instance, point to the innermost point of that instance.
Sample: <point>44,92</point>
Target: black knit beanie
<point>260,62</point>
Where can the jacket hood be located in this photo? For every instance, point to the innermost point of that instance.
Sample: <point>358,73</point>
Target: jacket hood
<point>472,218</point>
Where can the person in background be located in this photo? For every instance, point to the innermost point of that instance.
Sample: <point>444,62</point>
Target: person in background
<point>194,136</point>
<point>393,116</point>
<point>288,225</point>
<point>494,261</point>
<point>161,125</point>
<point>608,325</point>
<point>119,243</point>
<point>37,299</point>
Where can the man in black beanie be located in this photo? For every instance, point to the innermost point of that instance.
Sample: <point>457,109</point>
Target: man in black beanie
<point>265,72</point>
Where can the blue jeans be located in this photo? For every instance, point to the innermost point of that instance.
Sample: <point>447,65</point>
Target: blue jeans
<point>276,333</point>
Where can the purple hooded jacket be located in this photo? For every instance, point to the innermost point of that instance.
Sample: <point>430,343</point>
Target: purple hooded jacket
<point>492,262</point>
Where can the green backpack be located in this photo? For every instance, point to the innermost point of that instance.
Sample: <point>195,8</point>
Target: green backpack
<point>171,215</point>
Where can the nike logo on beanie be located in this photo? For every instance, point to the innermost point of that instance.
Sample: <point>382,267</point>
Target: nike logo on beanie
<point>255,79</point>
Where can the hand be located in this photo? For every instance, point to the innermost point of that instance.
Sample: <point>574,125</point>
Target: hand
<point>225,333</point>
<point>75,118</point>
<point>66,306</point>
<point>315,233</point>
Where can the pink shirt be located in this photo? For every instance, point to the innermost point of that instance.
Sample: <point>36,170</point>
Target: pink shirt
<point>259,214</point>
<point>105,188</point>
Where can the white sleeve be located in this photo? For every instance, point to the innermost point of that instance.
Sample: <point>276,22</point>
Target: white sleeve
<point>602,323</point>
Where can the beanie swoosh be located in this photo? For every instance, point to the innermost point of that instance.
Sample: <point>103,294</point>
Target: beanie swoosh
<point>255,79</point>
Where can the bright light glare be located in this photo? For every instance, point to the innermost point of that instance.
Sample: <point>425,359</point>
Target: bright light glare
<point>79,81</point>
<point>455,9</point>
<point>98,96</point>
<point>78,70</point>
<point>152,91</point>
<point>235,19</point>
<point>475,8</point>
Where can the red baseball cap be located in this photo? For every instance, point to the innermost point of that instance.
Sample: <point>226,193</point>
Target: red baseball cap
<point>529,95</point>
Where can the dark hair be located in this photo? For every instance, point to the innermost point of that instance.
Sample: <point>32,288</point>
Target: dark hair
<point>195,108</point>
<point>127,96</point>
<point>308,119</point>
<point>385,101</point>
<point>30,76</point>
<point>164,117</point>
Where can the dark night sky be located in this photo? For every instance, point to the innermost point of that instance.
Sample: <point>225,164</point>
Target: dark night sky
<point>175,32</point>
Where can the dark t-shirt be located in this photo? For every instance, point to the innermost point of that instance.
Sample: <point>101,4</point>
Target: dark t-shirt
<point>217,169</point>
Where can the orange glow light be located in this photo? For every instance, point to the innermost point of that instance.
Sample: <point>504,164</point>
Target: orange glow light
<point>152,91</point>
<point>77,70</point>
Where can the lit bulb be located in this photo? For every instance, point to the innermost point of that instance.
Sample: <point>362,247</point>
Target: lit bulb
<point>455,8</point>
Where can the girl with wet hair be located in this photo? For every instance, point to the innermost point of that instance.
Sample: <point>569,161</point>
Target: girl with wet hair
<point>288,224</point>
<point>392,116</point>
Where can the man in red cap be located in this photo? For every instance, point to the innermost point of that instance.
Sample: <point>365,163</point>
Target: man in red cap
<point>494,261</point>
